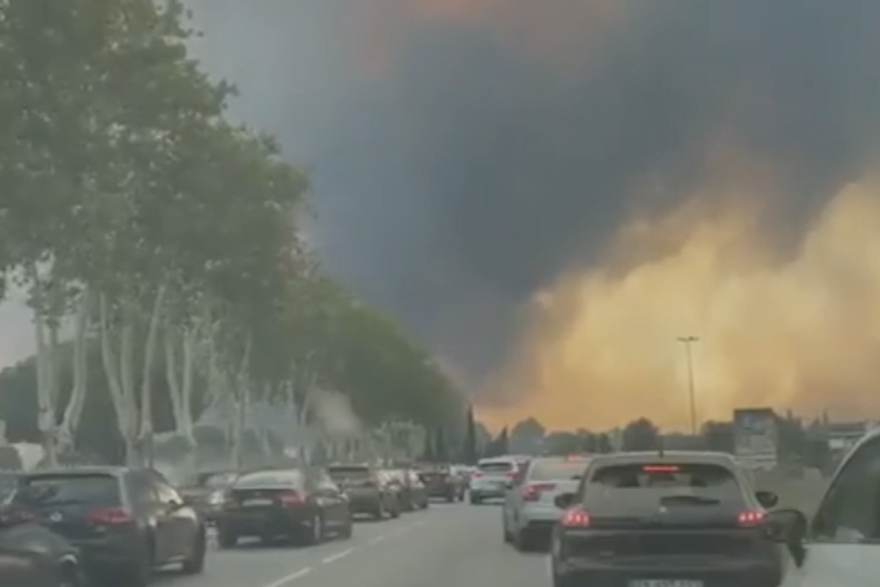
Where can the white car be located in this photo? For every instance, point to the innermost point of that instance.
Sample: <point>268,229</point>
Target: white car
<point>492,478</point>
<point>840,545</point>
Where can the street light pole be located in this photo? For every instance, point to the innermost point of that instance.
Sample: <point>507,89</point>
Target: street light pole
<point>687,341</point>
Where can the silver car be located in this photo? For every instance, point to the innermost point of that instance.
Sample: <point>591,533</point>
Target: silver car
<point>529,510</point>
<point>492,478</point>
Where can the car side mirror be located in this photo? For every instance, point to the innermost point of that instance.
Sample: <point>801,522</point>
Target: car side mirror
<point>564,500</point>
<point>767,499</point>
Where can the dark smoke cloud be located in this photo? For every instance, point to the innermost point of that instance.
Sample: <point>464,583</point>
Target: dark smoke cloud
<point>467,171</point>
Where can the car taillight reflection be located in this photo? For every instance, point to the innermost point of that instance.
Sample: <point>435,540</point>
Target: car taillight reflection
<point>109,516</point>
<point>290,498</point>
<point>532,492</point>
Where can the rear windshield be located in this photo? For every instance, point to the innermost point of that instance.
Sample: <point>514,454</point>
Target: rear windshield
<point>694,482</point>
<point>557,470</point>
<point>69,490</point>
<point>269,479</point>
<point>217,480</point>
<point>496,467</point>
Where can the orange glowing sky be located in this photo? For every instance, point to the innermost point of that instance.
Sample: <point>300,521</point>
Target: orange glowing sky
<point>805,333</point>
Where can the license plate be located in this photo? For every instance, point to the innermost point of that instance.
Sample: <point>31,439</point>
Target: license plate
<point>256,502</point>
<point>665,583</point>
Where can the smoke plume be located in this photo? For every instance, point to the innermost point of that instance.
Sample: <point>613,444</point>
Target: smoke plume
<point>548,193</point>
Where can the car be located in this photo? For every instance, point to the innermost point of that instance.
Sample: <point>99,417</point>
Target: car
<point>207,492</point>
<point>368,490</point>
<point>411,491</point>
<point>125,522</point>
<point>31,555</point>
<point>839,545</point>
<point>529,511</point>
<point>492,478</point>
<point>304,505</point>
<point>678,519</point>
<point>441,482</point>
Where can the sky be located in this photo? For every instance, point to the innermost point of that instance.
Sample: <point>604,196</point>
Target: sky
<point>547,194</point>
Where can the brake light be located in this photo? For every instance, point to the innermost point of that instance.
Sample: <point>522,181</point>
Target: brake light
<point>109,516</point>
<point>576,518</point>
<point>533,491</point>
<point>477,474</point>
<point>661,468</point>
<point>290,498</point>
<point>750,518</point>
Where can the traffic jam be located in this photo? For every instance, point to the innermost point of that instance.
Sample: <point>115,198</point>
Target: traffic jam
<point>630,519</point>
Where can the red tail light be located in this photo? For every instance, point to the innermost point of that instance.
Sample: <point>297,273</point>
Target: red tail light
<point>290,498</point>
<point>576,518</point>
<point>750,518</point>
<point>661,468</point>
<point>532,492</point>
<point>109,516</point>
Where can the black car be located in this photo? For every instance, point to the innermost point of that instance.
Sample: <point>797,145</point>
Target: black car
<point>441,482</point>
<point>124,522</point>
<point>306,506</point>
<point>369,490</point>
<point>207,491</point>
<point>687,519</point>
<point>34,556</point>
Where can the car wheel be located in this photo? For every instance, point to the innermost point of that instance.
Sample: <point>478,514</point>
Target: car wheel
<point>195,564</point>
<point>508,537</point>
<point>476,500</point>
<point>379,514</point>
<point>226,539</point>
<point>395,510</point>
<point>315,533</point>
<point>140,572</point>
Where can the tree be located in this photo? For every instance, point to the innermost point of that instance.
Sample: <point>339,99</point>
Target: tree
<point>641,434</point>
<point>526,436</point>
<point>603,444</point>
<point>470,451</point>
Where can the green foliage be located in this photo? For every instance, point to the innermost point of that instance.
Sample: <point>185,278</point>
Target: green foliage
<point>121,174</point>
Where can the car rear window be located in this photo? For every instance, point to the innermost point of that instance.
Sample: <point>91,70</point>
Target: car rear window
<point>496,467</point>
<point>269,478</point>
<point>667,481</point>
<point>70,489</point>
<point>218,480</point>
<point>557,470</point>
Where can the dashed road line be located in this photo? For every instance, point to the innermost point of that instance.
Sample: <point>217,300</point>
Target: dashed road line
<point>377,539</point>
<point>290,578</point>
<point>337,556</point>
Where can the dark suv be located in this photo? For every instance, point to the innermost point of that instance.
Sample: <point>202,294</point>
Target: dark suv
<point>125,522</point>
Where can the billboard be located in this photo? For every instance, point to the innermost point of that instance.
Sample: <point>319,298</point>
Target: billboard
<point>756,435</point>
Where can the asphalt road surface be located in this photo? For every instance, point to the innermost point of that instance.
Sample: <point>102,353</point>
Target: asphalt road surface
<point>449,544</point>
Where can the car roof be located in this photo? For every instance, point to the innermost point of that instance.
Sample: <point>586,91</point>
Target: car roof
<point>678,456</point>
<point>72,471</point>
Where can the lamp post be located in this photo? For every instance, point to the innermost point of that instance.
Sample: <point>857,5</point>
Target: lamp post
<point>687,341</point>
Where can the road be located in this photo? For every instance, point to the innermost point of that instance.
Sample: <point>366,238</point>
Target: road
<point>449,544</point>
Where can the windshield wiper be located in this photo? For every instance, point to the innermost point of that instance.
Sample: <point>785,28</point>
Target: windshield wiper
<point>688,499</point>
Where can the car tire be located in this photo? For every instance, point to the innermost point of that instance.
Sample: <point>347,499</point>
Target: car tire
<point>226,539</point>
<point>71,575</point>
<point>379,514</point>
<point>395,510</point>
<point>476,500</point>
<point>507,536</point>
<point>195,564</point>
<point>316,531</point>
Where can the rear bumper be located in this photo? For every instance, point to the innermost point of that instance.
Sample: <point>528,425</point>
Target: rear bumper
<point>365,504</point>
<point>264,522</point>
<point>710,572</point>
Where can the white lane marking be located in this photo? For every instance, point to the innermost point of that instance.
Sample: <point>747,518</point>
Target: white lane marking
<point>337,556</point>
<point>419,523</point>
<point>290,578</point>
<point>377,539</point>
